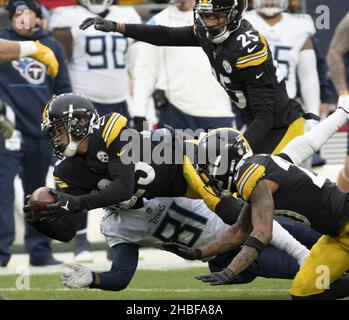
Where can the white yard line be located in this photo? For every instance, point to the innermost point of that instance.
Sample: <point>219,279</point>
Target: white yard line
<point>149,259</point>
<point>155,290</point>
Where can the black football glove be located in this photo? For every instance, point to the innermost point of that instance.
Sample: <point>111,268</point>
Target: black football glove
<point>65,204</point>
<point>99,24</point>
<point>225,276</point>
<point>138,123</point>
<point>182,251</point>
<point>29,215</point>
<point>6,126</point>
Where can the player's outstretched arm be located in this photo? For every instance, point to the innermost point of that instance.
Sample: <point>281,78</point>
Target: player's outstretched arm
<point>117,278</point>
<point>9,50</point>
<point>154,34</point>
<point>261,220</point>
<point>12,50</point>
<point>302,147</point>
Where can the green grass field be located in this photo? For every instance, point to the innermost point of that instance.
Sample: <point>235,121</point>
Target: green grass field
<point>148,285</point>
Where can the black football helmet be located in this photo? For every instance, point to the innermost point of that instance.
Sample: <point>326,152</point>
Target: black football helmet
<point>232,10</point>
<point>73,112</point>
<point>220,154</point>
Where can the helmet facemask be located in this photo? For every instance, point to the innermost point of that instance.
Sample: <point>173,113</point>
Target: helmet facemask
<point>96,6</point>
<point>270,8</point>
<point>228,19</point>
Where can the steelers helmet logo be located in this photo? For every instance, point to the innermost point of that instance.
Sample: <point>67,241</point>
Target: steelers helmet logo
<point>102,156</point>
<point>227,67</point>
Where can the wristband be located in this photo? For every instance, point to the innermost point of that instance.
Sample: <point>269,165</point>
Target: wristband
<point>27,48</point>
<point>253,242</point>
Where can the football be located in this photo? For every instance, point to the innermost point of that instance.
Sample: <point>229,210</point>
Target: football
<point>40,198</point>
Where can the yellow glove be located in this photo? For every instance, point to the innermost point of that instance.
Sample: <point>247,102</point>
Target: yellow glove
<point>46,56</point>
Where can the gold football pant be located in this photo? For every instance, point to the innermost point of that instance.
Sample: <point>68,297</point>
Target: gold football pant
<point>327,261</point>
<point>276,139</point>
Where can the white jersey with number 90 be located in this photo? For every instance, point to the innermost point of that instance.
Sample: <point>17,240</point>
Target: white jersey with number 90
<point>99,66</point>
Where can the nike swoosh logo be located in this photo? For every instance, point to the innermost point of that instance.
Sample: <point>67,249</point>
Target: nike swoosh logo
<point>259,75</point>
<point>119,154</point>
<point>249,50</point>
<point>65,207</point>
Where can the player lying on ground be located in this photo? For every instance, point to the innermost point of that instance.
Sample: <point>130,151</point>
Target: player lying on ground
<point>269,182</point>
<point>189,222</point>
<point>93,150</point>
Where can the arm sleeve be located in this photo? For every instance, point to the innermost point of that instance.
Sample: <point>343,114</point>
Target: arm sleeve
<point>302,147</point>
<point>261,93</point>
<point>121,187</point>
<point>284,241</point>
<point>309,81</point>
<point>161,35</point>
<point>62,81</point>
<point>122,270</point>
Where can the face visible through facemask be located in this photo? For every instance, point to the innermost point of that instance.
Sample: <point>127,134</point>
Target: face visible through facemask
<point>215,22</point>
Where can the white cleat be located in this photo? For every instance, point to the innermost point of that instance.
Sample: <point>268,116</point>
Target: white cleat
<point>84,257</point>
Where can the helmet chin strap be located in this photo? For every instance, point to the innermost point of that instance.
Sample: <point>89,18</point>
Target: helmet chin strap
<point>220,38</point>
<point>71,148</point>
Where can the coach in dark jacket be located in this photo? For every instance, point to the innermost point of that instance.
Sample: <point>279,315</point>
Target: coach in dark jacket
<point>26,87</point>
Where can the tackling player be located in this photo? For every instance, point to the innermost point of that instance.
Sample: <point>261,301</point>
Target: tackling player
<point>269,182</point>
<point>241,61</point>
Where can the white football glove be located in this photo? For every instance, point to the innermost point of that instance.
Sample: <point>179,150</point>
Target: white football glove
<point>343,102</point>
<point>79,277</point>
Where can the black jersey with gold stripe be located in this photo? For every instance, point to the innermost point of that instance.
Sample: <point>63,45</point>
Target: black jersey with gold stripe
<point>103,160</point>
<point>300,190</point>
<point>244,66</point>
<point>82,174</point>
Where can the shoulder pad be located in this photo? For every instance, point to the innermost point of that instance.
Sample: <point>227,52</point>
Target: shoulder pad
<point>254,49</point>
<point>114,123</point>
<point>248,175</point>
